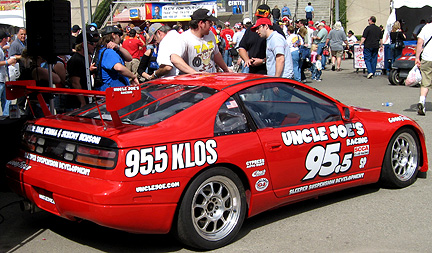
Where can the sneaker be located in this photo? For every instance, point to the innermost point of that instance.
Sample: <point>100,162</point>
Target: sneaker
<point>333,67</point>
<point>369,76</point>
<point>319,80</point>
<point>421,109</point>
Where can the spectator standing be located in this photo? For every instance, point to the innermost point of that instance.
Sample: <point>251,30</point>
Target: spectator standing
<point>320,40</point>
<point>253,47</point>
<point>276,13</point>
<point>18,45</point>
<point>351,41</point>
<point>134,44</point>
<point>197,50</point>
<point>111,59</point>
<point>294,41</point>
<point>74,34</point>
<point>424,62</point>
<point>227,34</point>
<point>396,38</point>
<point>335,40</point>
<point>286,12</point>
<point>76,67</point>
<point>167,40</point>
<point>278,57</point>
<point>238,35</point>
<point>4,37</point>
<point>372,40</point>
<point>418,29</point>
<point>310,12</point>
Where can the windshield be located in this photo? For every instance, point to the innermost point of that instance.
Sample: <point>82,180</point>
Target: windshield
<point>158,102</point>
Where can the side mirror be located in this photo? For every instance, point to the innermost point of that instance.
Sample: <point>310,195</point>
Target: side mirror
<point>348,113</point>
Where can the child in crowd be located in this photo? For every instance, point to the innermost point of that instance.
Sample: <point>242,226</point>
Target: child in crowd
<point>316,68</point>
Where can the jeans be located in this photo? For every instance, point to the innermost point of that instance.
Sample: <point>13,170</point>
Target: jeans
<point>227,58</point>
<point>296,65</point>
<point>395,53</point>
<point>320,52</point>
<point>316,74</point>
<point>387,57</point>
<point>245,69</point>
<point>4,102</point>
<point>370,57</point>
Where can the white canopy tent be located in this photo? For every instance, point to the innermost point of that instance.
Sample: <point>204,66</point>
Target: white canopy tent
<point>12,17</point>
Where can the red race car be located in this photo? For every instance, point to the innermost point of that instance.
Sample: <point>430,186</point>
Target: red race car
<point>197,154</point>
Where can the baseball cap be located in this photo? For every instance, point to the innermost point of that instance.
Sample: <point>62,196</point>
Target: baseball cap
<point>261,21</point>
<point>263,11</point>
<point>311,22</point>
<point>152,30</point>
<point>203,14</point>
<point>246,20</point>
<point>111,29</point>
<point>92,35</point>
<point>3,35</point>
<point>285,19</point>
<point>237,25</point>
<point>76,28</point>
<point>321,23</point>
<point>227,23</point>
<point>137,29</point>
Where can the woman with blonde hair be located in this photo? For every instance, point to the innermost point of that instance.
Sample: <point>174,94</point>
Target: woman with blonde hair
<point>397,38</point>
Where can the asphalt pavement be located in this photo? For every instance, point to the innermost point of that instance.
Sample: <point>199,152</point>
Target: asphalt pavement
<point>362,219</point>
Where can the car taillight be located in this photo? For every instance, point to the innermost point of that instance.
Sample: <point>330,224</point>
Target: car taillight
<point>70,152</point>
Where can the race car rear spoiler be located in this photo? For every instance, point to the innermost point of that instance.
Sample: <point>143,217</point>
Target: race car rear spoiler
<point>115,98</point>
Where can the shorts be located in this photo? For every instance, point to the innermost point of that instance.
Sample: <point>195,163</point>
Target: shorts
<point>337,54</point>
<point>426,72</point>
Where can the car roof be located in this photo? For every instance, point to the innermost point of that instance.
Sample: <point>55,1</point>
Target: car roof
<point>217,81</point>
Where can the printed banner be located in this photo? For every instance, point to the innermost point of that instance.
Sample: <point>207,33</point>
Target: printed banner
<point>177,11</point>
<point>359,62</point>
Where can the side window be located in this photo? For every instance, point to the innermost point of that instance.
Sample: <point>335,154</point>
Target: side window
<point>230,119</point>
<point>281,104</point>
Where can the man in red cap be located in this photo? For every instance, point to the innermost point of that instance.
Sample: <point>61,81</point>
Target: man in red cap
<point>278,59</point>
<point>197,50</point>
<point>252,48</point>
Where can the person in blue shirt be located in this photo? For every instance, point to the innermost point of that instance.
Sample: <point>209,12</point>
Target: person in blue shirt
<point>309,12</point>
<point>286,12</point>
<point>111,59</point>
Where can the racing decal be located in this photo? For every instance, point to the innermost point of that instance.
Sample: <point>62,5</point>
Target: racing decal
<point>64,134</point>
<point>324,161</point>
<point>57,164</point>
<point>317,134</point>
<point>261,184</point>
<point>156,187</point>
<point>356,141</point>
<point>255,163</point>
<point>397,119</point>
<point>363,161</point>
<point>361,150</point>
<point>21,165</point>
<point>326,183</point>
<point>47,199</point>
<point>258,173</point>
<point>126,89</point>
<point>156,160</point>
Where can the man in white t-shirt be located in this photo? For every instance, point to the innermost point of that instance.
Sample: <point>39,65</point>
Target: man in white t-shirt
<point>424,48</point>
<point>278,56</point>
<point>198,51</point>
<point>168,41</point>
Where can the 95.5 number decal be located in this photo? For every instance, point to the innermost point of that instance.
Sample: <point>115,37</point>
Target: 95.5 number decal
<point>324,161</point>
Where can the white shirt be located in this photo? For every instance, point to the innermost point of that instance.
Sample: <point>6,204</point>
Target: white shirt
<point>166,48</point>
<point>425,34</point>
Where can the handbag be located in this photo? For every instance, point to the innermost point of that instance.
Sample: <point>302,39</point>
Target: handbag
<point>399,44</point>
<point>326,52</point>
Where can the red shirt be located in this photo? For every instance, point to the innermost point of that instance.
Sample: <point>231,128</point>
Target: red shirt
<point>228,35</point>
<point>133,47</point>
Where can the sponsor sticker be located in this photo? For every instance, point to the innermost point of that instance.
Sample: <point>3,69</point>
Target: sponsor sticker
<point>255,163</point>
<point>361,150</point>
<point>261,184</point>
<point>156,187</point>
<point>47,199</point>
<point>258,173</point>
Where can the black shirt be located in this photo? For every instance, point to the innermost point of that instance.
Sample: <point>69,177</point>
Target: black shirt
<point>76,67</point>
<point>256,47</point>
<point>373,34</point>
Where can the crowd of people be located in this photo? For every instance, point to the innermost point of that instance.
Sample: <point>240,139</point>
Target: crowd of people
<point>274,45</point>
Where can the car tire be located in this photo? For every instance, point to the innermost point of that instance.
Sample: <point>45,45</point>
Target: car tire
<point>394,77</point>
<point>401,160</point>
<point>212,210</point>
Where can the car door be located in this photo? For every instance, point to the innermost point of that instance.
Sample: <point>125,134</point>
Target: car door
<point>305,141</point>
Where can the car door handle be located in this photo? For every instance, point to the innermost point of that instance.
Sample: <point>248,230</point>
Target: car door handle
<point>274,146</point>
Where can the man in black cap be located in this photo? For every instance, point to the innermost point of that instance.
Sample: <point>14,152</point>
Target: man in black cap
<point>75,32</point>
<point>4,37</point>
<point>252,48</point>
<point>197,50</point>
<point>111,61</point>
<point>76,67</point>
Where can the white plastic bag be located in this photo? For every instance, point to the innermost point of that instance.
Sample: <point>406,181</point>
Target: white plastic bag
<point>14,72</point>
<point>414,76</point>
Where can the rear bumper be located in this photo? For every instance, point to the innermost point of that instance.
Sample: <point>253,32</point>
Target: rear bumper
<point>111,204</point>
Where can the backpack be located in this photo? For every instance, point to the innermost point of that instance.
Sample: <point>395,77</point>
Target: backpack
<point>98,82</point>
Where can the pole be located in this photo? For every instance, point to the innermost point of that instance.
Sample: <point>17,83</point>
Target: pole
<point>84,33</point>
<point>51,85</point>
<point>89,7</point>
<point>336,10</point>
